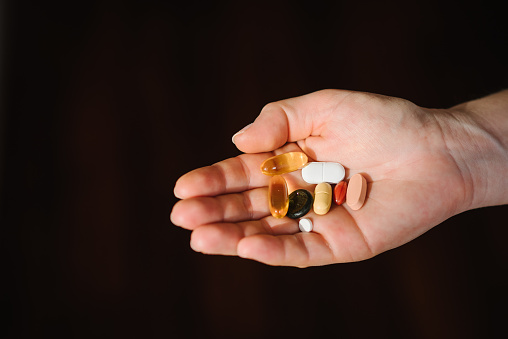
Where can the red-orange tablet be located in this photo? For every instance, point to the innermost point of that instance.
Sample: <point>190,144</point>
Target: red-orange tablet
<point>339,193</point>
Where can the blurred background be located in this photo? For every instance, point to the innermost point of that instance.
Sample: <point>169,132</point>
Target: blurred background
<point>104,104</point>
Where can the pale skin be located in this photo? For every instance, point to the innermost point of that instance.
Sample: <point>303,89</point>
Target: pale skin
<point>422,165</point>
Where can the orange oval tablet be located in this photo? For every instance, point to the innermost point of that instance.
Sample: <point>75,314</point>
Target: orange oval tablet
<point>278,199</point>
<point>339,193</point>
<point>356,191</point>
<point>284,163</point>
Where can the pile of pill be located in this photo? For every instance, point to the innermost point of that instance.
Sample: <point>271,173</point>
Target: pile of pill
<point>300,202</point>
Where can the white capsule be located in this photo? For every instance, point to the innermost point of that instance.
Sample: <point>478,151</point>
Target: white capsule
<point>318,172</point>
<point>305,225</point>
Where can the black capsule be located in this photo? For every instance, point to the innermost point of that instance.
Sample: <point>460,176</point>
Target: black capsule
<point>300,203</point>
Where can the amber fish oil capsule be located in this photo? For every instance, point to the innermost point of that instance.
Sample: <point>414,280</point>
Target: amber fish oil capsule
<point>322,198</point>
<point>278,196</point>
<point>284,163</point>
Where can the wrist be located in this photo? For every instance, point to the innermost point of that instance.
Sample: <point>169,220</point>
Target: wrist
<point>476,136</point>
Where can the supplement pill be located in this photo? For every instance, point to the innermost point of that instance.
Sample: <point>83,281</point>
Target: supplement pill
<point>322,198</point>
<point>284,163</point>
<point>316,172</point>
<point>300,203</point>
<point>339,193</point>
<point>278,196</point>
<point>356,191</point>
<point>305,225</point>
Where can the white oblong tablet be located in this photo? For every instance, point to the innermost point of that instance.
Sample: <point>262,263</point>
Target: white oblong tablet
<point>305,225</point>
<point>318,172</point>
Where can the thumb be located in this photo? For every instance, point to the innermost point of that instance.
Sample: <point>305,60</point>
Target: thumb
<point>288,121</point>
<point>269,131</point>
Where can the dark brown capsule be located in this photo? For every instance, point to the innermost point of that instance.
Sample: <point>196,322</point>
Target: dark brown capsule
<point>300,203</point>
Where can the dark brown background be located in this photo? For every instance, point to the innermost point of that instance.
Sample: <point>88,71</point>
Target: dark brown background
<point>105,104</point>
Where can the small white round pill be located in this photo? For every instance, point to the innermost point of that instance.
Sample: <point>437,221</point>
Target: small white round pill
<point>305,225</point>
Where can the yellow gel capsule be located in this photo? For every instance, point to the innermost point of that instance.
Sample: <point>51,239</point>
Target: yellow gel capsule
<point>278,196</point>
<point>322,198</point>
<point>284,163</point>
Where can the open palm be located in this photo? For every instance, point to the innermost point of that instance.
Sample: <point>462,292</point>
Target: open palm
<point>414,182</point>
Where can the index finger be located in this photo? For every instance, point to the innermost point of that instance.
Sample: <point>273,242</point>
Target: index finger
<point>232,175</point>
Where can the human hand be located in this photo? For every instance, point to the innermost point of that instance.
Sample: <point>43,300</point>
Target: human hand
<point>414,181</point>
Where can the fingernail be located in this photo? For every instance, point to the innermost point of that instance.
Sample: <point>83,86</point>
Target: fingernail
<point>240,132</point>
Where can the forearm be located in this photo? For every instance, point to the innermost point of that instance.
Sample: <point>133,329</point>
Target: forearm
<point>476,135</point>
